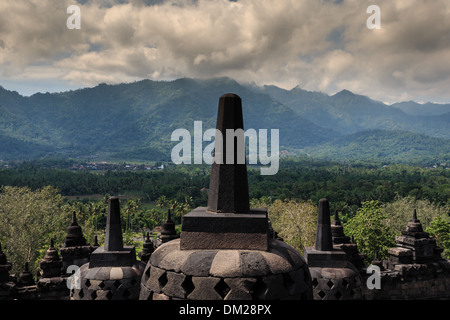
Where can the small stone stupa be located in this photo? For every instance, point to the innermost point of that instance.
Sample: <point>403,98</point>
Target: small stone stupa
<point>75,250</point>
<point>26,285</point>
<point>147,249</point>
<point>343,242</point>
<point>113,273</point>
<point>225,251</point>
<point>51,286</point>
<point>168,231</point>
<point>414,246</point>
<point>415,269</point>
<point>51,265</point>
<point>337,231</point>
<point>7,282</point>
<point>333,276</point>
<point>26,279</point>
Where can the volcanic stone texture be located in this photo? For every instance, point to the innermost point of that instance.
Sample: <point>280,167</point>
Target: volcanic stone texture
<point>108,283</point>
<point>220,274</point>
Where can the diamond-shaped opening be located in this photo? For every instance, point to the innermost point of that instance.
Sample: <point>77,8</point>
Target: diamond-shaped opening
<point>81,294</point>
<point>187,285</point>
<point>94,295</point>
<point>147,272</point>
<point>259,289</point>
<point>117,284</point>
<point>150,296</point>
<point>109,295</point>
<point>87,283</point>
<point>330,284</point>
<point>322,294</point>
<point>101,285</point>
<point>345,283</point>
<point>338,295</point>
<point>222,288</point>
<point>314,283</point>
<point>126,294</point>
<point>162,280</point>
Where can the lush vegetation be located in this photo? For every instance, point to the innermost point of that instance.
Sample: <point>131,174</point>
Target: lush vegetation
<point>346,186</point>
<point>390,146</point>
<point>374,201</point>
<point>134,121</point>
<point>29,219</point>
<point>384,170</point>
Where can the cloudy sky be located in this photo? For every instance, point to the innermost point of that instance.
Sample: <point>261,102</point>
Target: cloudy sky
<point>320,45</point>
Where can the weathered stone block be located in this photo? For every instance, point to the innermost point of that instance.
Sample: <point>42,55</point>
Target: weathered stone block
<point>103,258</point>
<point>240,288</point>
<point>160,296</point>
<point>174,287</point>
<point>199,263</point>
<point>204,289</point>
<point>145,293</point>
<point>226,264</point>
<point>156,281</point>
<point>253,264</point>
<point>331,259</point>
<point>207,230</point>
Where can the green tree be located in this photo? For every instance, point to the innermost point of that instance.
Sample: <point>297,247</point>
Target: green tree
<point>371,232</point>
<point>294,221</point>
<point>28,220</point>
<point>440,229</point>
<point>178,207</point>
<point>400,211</point>
<point>131,208</point>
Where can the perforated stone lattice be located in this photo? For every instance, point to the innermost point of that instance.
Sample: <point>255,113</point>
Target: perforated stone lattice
<point>107,290</point>
<point>337,289</point>
<point>179,286</point>
<point>100,284</point>
<point>225,274</point>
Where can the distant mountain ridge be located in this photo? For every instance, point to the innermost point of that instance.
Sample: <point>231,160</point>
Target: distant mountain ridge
<point>135,121</point>
<point>347,112</point>
<point>426,109</point>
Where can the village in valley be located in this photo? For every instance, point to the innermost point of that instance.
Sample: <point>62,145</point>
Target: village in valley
<point>105,166</point>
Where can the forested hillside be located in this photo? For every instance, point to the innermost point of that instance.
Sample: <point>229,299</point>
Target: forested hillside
<point>134,121</point>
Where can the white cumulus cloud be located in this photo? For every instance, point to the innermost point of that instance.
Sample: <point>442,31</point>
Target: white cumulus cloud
<point>321,45</point>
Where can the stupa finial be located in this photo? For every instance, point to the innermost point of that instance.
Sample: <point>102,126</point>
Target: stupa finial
<point>113,236</point>
<point>337,221</point>
<point>74,219</point>
<point>323,237</point>
<point>228,190</point>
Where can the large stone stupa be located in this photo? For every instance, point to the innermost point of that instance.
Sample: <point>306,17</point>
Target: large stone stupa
<point>225,251</point>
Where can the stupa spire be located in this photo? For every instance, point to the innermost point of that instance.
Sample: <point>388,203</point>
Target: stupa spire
<point>113,236</point>
<point>74,219</point>
<point>228,190</point>
<point>337,221</point>
<point>323,237</point>
<point>414,217</point>
<point>227,222</point>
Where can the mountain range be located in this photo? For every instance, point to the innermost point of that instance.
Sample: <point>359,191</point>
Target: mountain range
<point>134,121</point>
